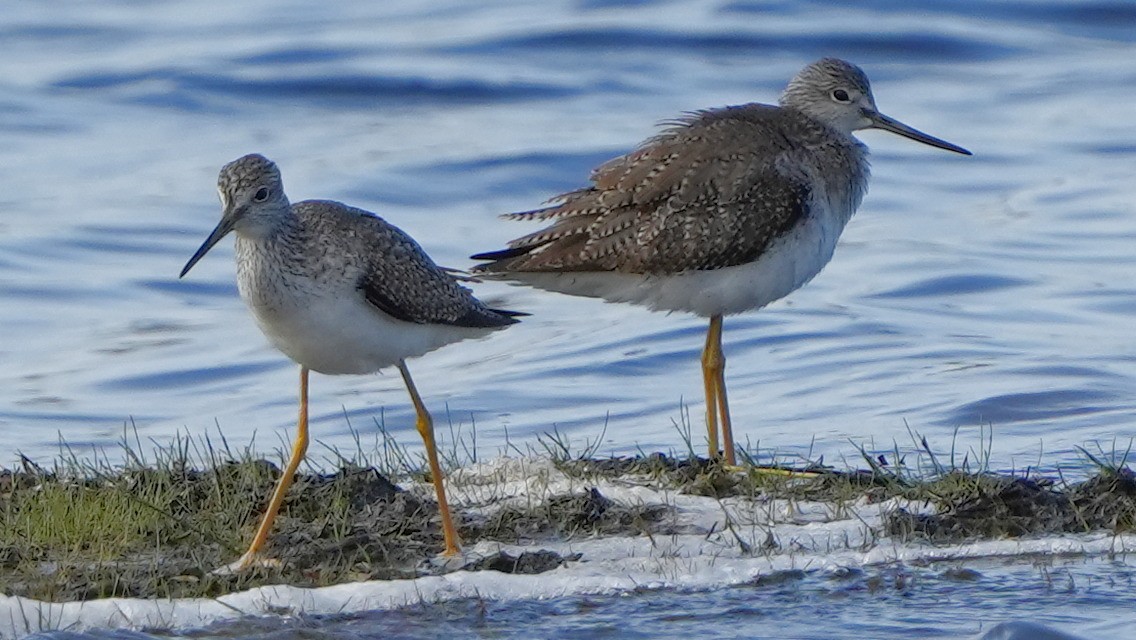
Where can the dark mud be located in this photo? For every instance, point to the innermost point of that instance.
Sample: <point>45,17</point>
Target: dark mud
<point>712,478</point>
<point>588,513</point>
<point>968,505</point>
<point>988,506</point>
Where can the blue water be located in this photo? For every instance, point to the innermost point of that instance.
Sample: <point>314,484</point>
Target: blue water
<point>969,294</point>
<point>897,602</point>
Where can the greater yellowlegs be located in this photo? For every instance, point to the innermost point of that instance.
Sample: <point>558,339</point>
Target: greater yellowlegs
<point>339,290</point>
<point>726,210</point>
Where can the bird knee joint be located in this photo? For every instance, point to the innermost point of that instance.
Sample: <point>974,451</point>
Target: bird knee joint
<point>425,427</point>
<point>713,361</point>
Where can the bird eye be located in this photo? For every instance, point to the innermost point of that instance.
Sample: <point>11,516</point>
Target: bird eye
<point>261,194</point>
<point>840,95</point>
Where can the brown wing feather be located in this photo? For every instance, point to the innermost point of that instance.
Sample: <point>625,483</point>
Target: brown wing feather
<point>706,193</point>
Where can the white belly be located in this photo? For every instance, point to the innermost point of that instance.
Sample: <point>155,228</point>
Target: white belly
<point>786,265</point>
<point>339,332</point>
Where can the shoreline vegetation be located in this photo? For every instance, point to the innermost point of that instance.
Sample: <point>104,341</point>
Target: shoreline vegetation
<point>154,526</point>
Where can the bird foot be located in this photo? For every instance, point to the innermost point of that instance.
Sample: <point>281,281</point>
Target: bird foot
<point>244,563</point>
<point>450,561</point>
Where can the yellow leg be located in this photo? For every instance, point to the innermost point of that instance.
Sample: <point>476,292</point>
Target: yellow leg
<point>299,448</point>
<point>425,426</point>
<point>709,381</point>
<point>720,387</point>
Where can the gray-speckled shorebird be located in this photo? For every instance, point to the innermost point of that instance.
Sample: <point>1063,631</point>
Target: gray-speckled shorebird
<point>726,210</point>
<point>339,290</point>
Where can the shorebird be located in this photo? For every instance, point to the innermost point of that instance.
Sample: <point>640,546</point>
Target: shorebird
<point>726,210</point>
<point>340,291</point>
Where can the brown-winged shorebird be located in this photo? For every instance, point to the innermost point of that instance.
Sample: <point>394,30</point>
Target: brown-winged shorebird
<point>340,291</point>
<point>726,210</point>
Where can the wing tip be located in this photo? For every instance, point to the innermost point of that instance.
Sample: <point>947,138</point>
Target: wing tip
<point>510,316</point>
<point>487,318</point>
<point>497,262</point>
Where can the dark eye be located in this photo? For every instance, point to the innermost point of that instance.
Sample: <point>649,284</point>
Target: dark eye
<point>261,194</point>
<point>840,95</point>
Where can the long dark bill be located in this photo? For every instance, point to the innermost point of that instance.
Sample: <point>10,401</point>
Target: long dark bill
<point>880,121</point>
<point>220,231</point>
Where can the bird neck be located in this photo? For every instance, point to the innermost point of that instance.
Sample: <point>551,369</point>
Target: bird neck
<point>268,225</point>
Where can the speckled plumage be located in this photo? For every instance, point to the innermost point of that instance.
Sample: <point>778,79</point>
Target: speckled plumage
<point>712,191</point>
<point>719,188</point>
<point>336,288</point>
<point>326,242</point>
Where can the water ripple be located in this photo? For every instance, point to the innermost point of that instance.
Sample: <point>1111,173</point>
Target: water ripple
<point>189,377</point>
<point>954,285</point>
<point>176,87</point>
<point>593,41</point>
<point>1032,407</point>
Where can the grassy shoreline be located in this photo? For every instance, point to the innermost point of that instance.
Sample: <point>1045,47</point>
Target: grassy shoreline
<point>85,529</point>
